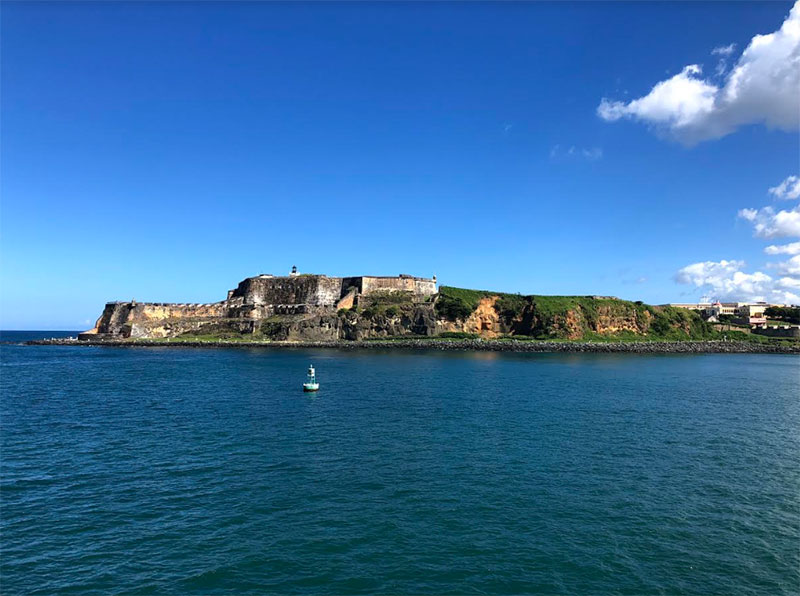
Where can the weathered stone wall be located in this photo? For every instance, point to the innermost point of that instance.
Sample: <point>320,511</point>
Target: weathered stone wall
<point>114,317</point>
<point>424,287</point>
<point>305,301</point>
<point>110,322</point>
<point>419,286</point>
<point>157,312</point>
<point>787,332</point>
<point>329,291</point>
<point>143,319</point>
<point>316,290</point>
<point>321,290</point>
<point>348,300</point>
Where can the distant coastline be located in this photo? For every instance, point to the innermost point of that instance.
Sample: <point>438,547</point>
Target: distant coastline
<point>487,345</point>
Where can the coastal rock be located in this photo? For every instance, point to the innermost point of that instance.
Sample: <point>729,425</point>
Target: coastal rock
<point>644,347</point>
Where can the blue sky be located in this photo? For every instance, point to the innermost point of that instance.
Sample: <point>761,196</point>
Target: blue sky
<point>166,151</point>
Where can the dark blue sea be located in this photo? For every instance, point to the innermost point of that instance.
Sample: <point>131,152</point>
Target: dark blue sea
<point>208,471</point>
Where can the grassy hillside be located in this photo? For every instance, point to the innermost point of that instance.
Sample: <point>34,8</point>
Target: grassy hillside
<point>575,317</point>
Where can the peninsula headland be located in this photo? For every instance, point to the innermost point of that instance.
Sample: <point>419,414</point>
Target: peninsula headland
<point>409,311</point>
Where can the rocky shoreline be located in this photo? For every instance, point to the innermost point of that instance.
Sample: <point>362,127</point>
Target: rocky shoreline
<point>654,347</point>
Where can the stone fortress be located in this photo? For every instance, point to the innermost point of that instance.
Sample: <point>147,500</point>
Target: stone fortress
<point>302,307</point>
<point>253,301</point>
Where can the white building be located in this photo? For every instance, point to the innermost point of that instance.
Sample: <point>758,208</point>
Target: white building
<point>751,313</point>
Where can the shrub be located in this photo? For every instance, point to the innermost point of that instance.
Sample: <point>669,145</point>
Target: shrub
<point>790,314</point>
<point>458,335</point>
<point>660,325</point>
<point>458,303</point>
<point>510,306</point>
<point>389,303</point>
<point>452,308</point>
<point>678,323</point>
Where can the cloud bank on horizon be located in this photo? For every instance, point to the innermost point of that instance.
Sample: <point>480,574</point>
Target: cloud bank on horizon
<point>726,279</point>
<point>762,87</point>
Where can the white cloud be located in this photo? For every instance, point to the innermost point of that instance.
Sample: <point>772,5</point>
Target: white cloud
<point>788,189</point>
<point>793,248</point>
<point>785,296</point>
<point>748,214</point>
<point>676,102</point>
<point>724,50</point>
<point>791,283</point>
<point>790,267</point>
<point>707,272</point>
<point>725,280</point>
<point>588,153</point>
<point>592,154</point>
<point>767,223</point>
<point>762,87</point>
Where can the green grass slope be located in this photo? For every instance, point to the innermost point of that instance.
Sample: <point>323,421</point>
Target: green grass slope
<point>576,317</point>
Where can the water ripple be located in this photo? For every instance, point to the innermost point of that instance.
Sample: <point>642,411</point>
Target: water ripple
<point>206,471</point>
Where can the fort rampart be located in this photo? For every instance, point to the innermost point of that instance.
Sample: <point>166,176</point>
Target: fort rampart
<point>253,300</point>
<point>785,331</point>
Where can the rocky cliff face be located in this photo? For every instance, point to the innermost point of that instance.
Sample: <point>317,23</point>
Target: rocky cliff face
<point>561,317</point>
<point>575,321</point>
<point>484,321</point>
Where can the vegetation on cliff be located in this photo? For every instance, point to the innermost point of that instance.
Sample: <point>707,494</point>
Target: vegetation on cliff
<point>574,317</point>
<point>388,304</point>
<point>458,303</point>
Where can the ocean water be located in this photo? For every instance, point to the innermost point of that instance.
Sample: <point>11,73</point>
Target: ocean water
<point>208,471</point>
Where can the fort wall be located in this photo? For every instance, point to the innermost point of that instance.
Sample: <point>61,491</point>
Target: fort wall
<point>405,283</point>
<point>315,290</point>
<point>153,319</point>
<point>252,301</point>
<point>321,290</point>
<point>787,331</point>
